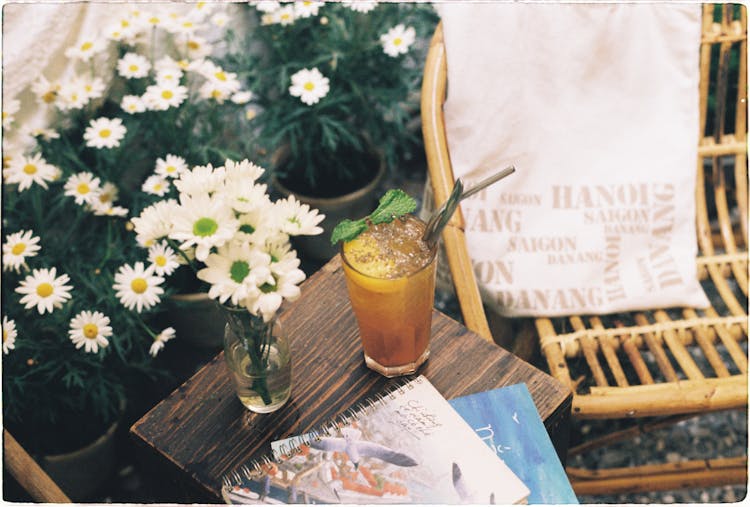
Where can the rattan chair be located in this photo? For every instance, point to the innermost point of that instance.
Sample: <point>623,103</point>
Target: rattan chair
<point>602,358</point>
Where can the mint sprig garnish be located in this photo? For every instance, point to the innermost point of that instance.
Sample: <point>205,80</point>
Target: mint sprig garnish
<point>394,204</point>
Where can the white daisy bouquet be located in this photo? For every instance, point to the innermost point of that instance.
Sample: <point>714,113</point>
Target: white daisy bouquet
<point>235,238</point>
<point>80,294</point>
<point>331,80</point>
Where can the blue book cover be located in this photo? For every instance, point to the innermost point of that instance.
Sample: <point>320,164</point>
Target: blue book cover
<point>506,419</point>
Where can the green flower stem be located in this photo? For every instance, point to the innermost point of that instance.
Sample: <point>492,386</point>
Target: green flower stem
<point>255,336</point>
<point>182,254</point>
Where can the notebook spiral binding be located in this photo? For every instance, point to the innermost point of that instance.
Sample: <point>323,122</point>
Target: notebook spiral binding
<point>256,467</point>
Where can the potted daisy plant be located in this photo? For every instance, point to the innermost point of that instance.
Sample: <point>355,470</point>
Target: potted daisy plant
<point>336,90</point>
<point>141,101</point>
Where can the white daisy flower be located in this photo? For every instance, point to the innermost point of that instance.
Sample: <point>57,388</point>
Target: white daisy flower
<point>108,193</point>
<point>170,166</point>
<point>309,85</point>
<point>155,222</point>
<point>285,15</point>
<point>397,40</point>
<point>90,331</point>
<point>197,47</point>
<point>163,259</point>
<point>244,198</point>
<point>242,97</point>
<point>161,97</point>
<point>155,185</point>
<point>108,209</point>
<point>44,133</point>
<point>166,63</point>
<point>286,286</point>
<point>44,91</point>
<point>121,31</point>
<point>220,78</point>
<point>220,19</point>
<point>86,49</point>
<point>296,218</point>
<point>201,180</point>
<point>169,76</point>
<point>45,290</point>
<point>203,222</point>
<point>242,172</point>
<point>9,334</point>
<point>138,287</point>
<point>10,108</point>
<point>133,66</point>
<point>283,257</point>
<point>155,19</point>
<point>132,104</point>
<point>183,25</point>
<point>72,95</point>
<point>268,6</point>
<point>254,226</point>
<point>235,271</point>
<point>28,170</point>
<point>211,90</point>
<point>363,6</point>
<point>93,88</point>
<point>160,339</point>
<point>83,187</point>
<point>104,133</point>
<point>17,248</point>
<point>305,9</point>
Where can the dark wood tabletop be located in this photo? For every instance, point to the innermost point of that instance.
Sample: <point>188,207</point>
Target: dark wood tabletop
<point>201,431</point>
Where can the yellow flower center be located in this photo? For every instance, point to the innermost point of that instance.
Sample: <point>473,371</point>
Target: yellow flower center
<point>105,133</point>
<point>18,248</point>
<point>124,23</point>
<point>397,41</point>
<point>309,86</point>
<point>86,46</point>
<point>104,197</point>
<point>193,45</point>
<point>83,189</point>
<point>221,76</point>
<point>158,187</point>
<point>5,335</point>
<point>285,16</point>
<point>44,289</point>
<point>5,115</point>
<point>216,94</point>
<point>160,261</point>
<point>171,169</point>
<point>49,97</point>
<point>167,94</point>
<point>90,331</point>
<point>29,169</point>
<point>187,24</point>
<point>133,67</point>
<point>139,285</point>
<point>153,20</point>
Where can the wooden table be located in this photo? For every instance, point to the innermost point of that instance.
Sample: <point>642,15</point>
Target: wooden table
<point>201,431</point>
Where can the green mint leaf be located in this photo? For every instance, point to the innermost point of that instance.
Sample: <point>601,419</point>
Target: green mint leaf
<point>395,203</point>
<point>347,230</point>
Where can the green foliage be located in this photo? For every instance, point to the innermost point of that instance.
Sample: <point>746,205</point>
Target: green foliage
<point>373,99</point>
<point>394,204</point>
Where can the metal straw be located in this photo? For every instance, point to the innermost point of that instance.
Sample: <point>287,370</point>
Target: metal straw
<point>440,218</point>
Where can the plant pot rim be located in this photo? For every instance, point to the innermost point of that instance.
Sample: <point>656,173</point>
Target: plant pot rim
<point>317,202</point>
<point>322,201</point>
<point>190,297</point>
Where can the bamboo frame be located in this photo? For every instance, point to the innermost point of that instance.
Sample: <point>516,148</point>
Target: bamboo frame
<point>672,384</point>
<point>29,474</point>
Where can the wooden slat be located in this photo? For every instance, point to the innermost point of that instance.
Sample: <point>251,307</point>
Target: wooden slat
<point>695,474</point>
<point>735,351</point>
<point>442,181</point>
<point>703,338</point>
<point>590,349</point>
<point>740,130</point>
<point>630,347</point>
<point>606,344</point>
<point>662,361</point>
<point>680,353</point>
<point>554,354</point>
<point>29,474</point>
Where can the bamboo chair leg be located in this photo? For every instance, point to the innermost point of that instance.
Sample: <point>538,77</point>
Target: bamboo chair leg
<point>29,475</point>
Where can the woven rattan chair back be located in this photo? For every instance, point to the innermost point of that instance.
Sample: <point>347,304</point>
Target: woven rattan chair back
<point>665,364</point>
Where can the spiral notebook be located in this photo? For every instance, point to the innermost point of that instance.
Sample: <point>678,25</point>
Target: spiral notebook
<point>407,445</point>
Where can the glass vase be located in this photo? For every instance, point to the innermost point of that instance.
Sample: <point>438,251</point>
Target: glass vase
<point>257,355</point>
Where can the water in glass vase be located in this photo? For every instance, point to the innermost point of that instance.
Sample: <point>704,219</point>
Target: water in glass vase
<point>259,360</point>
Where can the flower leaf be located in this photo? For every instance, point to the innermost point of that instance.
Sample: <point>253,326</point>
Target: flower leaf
<point>347,230</point>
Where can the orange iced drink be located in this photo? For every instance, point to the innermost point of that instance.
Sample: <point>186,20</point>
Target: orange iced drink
<point>390,274</point>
